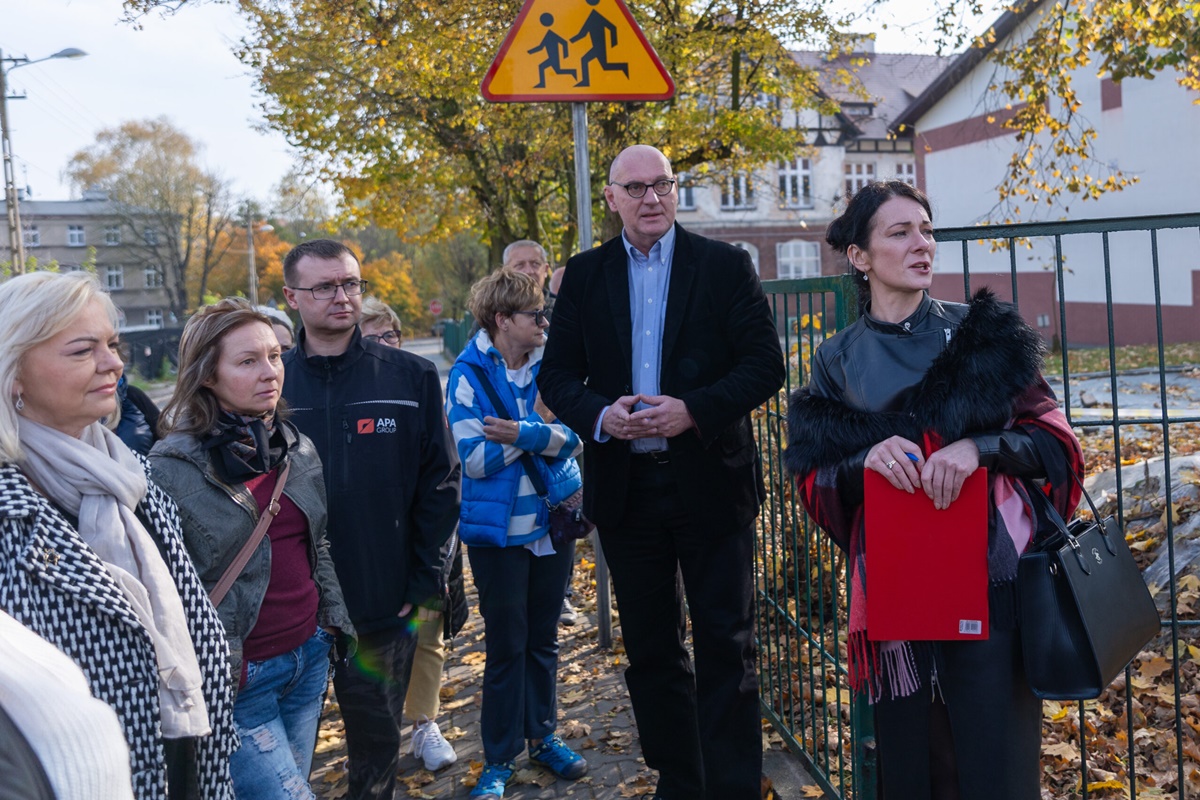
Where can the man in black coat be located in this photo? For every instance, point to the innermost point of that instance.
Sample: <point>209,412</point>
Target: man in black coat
<point>661,345</point>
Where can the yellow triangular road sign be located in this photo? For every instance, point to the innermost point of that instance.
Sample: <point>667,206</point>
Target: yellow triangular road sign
<point>576,50</point>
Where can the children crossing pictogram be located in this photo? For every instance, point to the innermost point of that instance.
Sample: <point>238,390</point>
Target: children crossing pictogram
<point>576,50</point>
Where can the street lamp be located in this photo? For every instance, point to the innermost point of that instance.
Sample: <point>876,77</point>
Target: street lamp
<point>15,237</point>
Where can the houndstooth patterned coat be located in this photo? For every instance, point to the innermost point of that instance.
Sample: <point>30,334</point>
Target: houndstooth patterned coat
<point>56,585</point>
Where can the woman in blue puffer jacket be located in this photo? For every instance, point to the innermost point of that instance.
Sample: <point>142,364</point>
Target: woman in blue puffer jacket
<point>519,573</point>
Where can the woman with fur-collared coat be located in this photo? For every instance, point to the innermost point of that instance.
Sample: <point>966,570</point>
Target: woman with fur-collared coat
<point>924,392</point>
<point>91,556</point>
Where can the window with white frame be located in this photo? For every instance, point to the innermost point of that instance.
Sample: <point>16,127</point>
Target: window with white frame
<point>798,259</point>
<point>154,316</point>
<point>737,193</point>
<point>687,192</point>
<point>907,171</point>
<point>795,183</point>
<point>751,249</point>
<point>75,236</point>
<point>112,235</point>
<point>150,236</point>
<point>114,278</point>
<point>33,237</point>
<point>154,278</point>
<point>858,175</point>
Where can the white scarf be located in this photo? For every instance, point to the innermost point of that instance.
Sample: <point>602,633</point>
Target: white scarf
<point>98,479</point>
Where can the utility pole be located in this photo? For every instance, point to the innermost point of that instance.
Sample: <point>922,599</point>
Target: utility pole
<point>16,239</point>
<point>253,294</point>
<point>16,236</point>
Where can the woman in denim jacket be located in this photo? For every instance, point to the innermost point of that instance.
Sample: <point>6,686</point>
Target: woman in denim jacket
<point>224,452</point>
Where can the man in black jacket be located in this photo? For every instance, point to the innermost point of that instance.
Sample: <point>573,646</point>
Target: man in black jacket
<point>661,345</point>
<point>392,480</point>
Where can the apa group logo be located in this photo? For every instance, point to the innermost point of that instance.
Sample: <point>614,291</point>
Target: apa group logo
<point>381,425</point>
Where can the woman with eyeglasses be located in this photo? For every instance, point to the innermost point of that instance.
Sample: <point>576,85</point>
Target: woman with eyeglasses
<point>502,430</point>
<point>379,323</point>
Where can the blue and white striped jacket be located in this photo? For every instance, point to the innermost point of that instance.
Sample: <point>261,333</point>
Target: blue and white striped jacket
<point>499,504</point>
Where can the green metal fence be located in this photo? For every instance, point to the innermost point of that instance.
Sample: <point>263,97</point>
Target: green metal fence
<point>1141,739</point>
<point>800,574</point>
<point>455,335</point>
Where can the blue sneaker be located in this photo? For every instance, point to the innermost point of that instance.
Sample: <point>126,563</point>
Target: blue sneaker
<point>554,754</point>
<point>495,776</point>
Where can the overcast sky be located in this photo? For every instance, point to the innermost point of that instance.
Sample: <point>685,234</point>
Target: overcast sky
<point>181,66</point>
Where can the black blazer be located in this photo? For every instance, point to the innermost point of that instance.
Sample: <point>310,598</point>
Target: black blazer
<point>720,356</point>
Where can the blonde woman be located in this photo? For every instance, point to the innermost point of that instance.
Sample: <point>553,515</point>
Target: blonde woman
<point>91,555</point>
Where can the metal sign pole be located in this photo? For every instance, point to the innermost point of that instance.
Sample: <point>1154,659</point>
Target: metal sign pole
<point>583,179</point>
<point>583,213</point>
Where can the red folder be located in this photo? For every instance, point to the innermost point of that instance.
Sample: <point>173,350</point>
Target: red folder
<point>927,574</point>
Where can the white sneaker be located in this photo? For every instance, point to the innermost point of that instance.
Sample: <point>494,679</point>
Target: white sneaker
<point>430,746</point>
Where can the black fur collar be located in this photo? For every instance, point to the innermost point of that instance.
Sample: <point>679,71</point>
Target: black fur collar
<point>992,359</point>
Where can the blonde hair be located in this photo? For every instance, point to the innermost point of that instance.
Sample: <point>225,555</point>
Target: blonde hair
<point>375,311</point>
<point>194,407</point>
<point>502,292</point>
<point>35,308</point>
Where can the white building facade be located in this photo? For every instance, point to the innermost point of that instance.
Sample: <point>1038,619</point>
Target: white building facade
<point>1145,128</point>
<point>780,211</point>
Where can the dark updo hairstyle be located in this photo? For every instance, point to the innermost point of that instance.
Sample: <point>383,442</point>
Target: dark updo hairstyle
<point>853,227</point>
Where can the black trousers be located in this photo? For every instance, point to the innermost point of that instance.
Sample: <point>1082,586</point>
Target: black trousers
<point>370,692</point>
<point>976,737</point>
<point>520,598</point>
<point>700,729</point>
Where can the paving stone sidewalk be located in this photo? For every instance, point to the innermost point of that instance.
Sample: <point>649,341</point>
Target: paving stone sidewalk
<point>594,713</point>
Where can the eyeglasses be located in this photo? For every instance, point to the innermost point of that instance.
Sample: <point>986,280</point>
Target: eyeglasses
<point>637,189</point>
<point>328,291</point>
<point>391,337</point>
<point>539,316</point>
<point>521,265</point>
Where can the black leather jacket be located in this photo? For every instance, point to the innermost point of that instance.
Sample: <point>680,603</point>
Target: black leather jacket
<point>875,366</point>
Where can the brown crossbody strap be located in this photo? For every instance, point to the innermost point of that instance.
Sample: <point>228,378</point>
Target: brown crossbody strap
<point>264,522</point>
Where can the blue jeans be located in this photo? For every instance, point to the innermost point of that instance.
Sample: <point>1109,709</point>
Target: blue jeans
<point>277,714</point>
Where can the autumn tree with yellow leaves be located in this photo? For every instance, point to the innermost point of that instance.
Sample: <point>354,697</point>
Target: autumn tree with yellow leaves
<point>383,99</point>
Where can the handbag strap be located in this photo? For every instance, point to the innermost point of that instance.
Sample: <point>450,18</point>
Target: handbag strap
<point>535,477</point>
<point>260,530</point>
<point>1052,514</point>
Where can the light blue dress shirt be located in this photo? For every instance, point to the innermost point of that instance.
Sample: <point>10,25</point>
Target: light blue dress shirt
<point>649,278</point>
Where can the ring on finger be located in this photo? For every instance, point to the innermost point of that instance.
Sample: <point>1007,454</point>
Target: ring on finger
<point>890,464</point>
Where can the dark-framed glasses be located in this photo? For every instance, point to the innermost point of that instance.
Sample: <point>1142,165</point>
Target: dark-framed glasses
<point>390,337</point>
<point>328,291</point>
<point>539,316</point>
<point>636,189</point>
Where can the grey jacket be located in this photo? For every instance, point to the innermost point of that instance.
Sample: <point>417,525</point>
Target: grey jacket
<point>219,517</point>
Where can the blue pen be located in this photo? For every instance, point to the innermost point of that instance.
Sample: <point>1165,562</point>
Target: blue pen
<point>913,457</point>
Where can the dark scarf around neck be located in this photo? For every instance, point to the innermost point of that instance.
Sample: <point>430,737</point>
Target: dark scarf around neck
<point>246,446</point>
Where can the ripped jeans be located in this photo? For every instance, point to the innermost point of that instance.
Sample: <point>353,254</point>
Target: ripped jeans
<point>277,713</point>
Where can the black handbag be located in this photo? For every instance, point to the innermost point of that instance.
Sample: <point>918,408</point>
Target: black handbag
<point>1085,611</point>
<point>567,521</point>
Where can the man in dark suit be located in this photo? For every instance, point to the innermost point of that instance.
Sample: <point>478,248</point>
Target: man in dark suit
<point>661,345</point>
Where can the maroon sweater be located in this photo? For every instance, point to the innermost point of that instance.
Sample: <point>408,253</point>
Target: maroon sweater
<point>287,617</point>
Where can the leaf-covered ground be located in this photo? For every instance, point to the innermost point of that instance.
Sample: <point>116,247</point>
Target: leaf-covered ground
<point>593,709</point>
